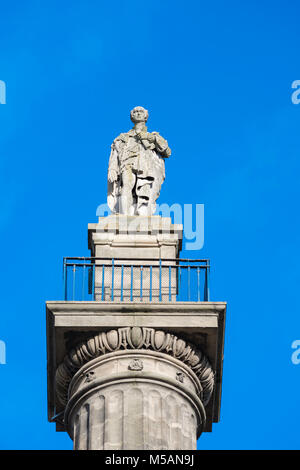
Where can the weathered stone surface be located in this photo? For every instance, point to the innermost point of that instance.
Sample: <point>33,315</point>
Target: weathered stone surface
<point>115,406</point>
<point>136,168</point>
<point>138,241</point>
<point>135,338</point>
<point>144,373</point>
<point>198,323</point>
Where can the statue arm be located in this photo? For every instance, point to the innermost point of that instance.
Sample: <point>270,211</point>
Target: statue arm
<point>161,145</point>
<point>113,165</point>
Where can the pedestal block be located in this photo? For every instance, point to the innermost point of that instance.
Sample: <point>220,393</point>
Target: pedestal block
<point>135,245</point>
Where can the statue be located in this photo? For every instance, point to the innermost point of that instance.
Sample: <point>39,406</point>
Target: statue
<point>136,168</point>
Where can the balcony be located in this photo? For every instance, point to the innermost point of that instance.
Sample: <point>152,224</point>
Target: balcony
<point>136,280</point>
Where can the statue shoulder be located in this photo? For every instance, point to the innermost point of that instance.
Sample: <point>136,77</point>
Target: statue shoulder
<point>122,137</point>
<point>158,136</point>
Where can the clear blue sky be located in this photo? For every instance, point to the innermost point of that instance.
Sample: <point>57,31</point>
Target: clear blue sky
<point>216,78</point>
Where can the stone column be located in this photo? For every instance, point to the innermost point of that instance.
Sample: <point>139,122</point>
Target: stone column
<point>136,389</point>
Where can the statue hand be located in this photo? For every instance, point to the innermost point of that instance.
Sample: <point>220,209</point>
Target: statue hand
<point>142,135</point>
<point>150,138</point>
<point>112,175</point>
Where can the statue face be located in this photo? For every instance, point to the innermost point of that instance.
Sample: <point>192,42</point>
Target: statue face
<point>139,114</point>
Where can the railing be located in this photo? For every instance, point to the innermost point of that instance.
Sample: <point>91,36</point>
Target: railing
<point>156,280</point>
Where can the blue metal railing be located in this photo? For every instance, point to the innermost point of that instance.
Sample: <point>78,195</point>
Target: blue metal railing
<point>163,280</point>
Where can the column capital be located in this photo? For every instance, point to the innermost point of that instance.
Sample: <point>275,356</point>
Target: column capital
<point>135,338</point>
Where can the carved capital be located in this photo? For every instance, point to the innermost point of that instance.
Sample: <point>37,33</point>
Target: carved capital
<point>134,338</point>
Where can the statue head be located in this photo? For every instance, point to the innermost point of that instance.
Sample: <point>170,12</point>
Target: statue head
<point>139,114</point>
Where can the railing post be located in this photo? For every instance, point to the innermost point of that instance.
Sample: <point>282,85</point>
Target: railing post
<point>141,288</point>
<point>65,279</point>
<point>122,277</point>
<point>112,279</point>
<point>93,281</point>
<point>83,282</point>
<point>131,284</point>
<point>103,287</point>
<point>198,283</point>
<point>74,280</point>
<point>150,287</point>
<point>160,280</point>
<point>170,282</point>
<point>206,285</point>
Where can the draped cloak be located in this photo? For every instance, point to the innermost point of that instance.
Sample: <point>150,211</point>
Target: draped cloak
<point>146,160</point>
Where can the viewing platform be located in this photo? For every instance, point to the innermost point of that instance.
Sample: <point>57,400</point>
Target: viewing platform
<point>136,280</point>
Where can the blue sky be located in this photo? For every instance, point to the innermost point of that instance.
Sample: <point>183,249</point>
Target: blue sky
<point>216,78</point>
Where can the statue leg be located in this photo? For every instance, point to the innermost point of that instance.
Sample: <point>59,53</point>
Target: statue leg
<point>126,199</point>
<point>143,189</point>
<point>154,193</point>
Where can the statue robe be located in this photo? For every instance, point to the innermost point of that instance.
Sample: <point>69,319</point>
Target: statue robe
<point>146,160</point>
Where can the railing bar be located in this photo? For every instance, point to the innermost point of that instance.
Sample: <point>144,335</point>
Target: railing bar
<point>198,284</point>
<point>131,284</point>
<point>93,281</point>
<point>103,277</point>
<point>65,281</point>
<point>138,265</point>
<point>189,283</point>
<point>185,260</point>
<point>150,291</point>
<point>122,276</point>
<point>112,279</point>
<point>74,278</point>
<point>160,298</point>
<point>207,285</point>
<point>83,282</point>
<point>141,290</point>
<point>170,280</point>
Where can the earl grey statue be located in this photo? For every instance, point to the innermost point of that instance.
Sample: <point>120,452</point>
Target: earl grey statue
<point>136,168</point>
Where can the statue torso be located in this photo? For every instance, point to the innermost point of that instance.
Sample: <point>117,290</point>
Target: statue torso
<point>140,155</point>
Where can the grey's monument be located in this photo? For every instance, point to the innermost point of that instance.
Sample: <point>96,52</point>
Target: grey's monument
<point>135,348</point>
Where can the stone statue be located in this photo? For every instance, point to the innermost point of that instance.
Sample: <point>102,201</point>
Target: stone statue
<point>136,168</point>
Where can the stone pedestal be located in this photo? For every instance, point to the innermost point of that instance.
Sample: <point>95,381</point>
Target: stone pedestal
<point>142,250</point>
